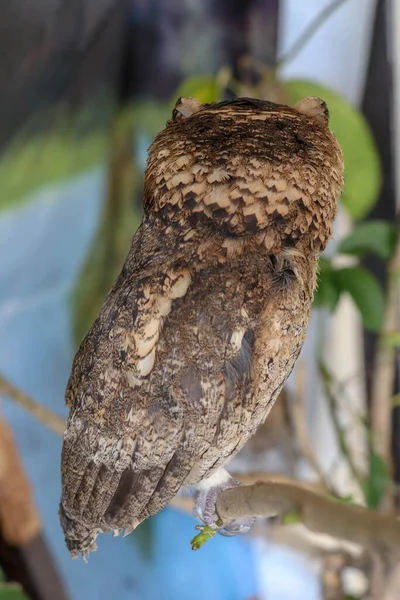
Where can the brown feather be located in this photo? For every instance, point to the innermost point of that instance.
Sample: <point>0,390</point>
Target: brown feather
<point>203,326</point>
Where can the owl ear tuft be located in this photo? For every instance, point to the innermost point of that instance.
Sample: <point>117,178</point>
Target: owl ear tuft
<point>315,108</point>
<point>186,107</point>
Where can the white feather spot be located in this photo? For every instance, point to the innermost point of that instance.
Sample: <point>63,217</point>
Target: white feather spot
<point>182,161</point>
<point>219,477</point>
<point>218,196</point>
<point>144,346</point>
<point>236,338</point>
<point>180,285</point>
<point>218,175</point>
<point>163,305</point>
<point>184,178</point>
<point>146,364</point>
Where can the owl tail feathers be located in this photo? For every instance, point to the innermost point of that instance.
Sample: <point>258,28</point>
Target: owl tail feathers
<point>79,538</point>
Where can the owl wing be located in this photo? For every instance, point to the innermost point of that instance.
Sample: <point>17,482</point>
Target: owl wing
<point>128,448</point>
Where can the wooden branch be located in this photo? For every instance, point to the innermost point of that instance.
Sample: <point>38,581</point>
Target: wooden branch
<point>374,531</point>
<point>41,413</point>
<point>186,503</point>
<point>24,555</point>
<point>19,520</point>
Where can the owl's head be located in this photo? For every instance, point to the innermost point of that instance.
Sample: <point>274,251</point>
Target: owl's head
<point>248,167</point>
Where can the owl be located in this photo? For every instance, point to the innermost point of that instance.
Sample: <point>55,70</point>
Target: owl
<point>204,324</point>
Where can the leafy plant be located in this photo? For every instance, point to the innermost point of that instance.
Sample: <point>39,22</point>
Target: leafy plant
<point>10,591</point>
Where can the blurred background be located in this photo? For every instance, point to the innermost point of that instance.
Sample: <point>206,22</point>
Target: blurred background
<point>85,85</point>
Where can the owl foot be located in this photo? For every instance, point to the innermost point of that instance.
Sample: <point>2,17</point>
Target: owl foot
<point>206,498</point>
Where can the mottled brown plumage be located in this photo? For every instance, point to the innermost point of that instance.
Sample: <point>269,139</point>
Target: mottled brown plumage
<point>204,324</point>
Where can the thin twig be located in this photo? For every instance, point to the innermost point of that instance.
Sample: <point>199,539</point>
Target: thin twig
<point>340,433</point>
<point>309,32</point>
<point>298,421</point>
<point>385,366</point>
<point>42,414</point>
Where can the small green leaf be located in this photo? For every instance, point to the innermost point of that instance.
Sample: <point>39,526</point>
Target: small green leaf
<point>377,483</point>
<point>327,293</point>
<point>377,237</point>
<point>361,158</point>
<point>205,88</point>
<point>366,293</point>
<point>206,533</point>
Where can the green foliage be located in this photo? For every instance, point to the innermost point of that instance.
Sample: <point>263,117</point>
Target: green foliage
<point>366,293</point>
<point>328,292</point>
<point>392,339</point>
<point>10,591</point>
<point>376,237</point>
<point>360,284</point>
<point>361,159</point>
<point>205,88</point>
<point>206,533</point>
<point>70,145</point>
<point>377,482</point>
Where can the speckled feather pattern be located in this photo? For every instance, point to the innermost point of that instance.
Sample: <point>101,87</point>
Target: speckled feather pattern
<point>203,326</point>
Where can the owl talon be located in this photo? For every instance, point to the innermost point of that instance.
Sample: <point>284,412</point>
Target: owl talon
<point>205,511</point>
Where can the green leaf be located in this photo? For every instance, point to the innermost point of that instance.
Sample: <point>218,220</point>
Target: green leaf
<point>377,237</point>
<point>205,88</point>
<point>361,158</point>
<point>11,591</point>
<point>378,480</point>
<point>71,144</point>
<point>327,293</point>
<point>206,533</point>
<point>365,291</point>
<point>392,339</point>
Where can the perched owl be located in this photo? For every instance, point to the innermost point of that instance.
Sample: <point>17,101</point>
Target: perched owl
<point>204,324</point>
